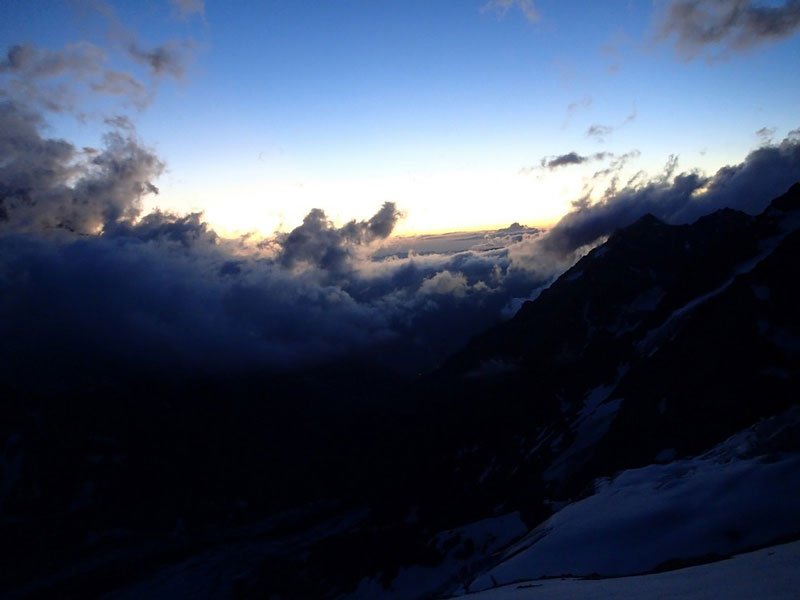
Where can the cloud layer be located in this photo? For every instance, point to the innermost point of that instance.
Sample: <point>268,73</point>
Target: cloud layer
<point>719,27</point>
<point>87,278</point>
<point>85,274</point>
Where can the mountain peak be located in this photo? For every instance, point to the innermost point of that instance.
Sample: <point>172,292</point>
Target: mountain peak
<point>644,224</point>
<point>788,201</point>
<point>648,219</point>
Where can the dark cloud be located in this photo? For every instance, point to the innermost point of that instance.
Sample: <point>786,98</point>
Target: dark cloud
<point>552,163</point>
<point>165,293</point>
<point>705,27</point>
<point>56,79</point>
<point>317,243</point>
<point>51,78</point>
<point>765,134</point>
<point>120,122</point>
<point>169,59</point>
<point>117,83</point>
<point>189,231</point>
<point>49,184</point>
<point>572,158</point>
<point>501,7</point>
<point>81,58</point>
<point>601,132</point>
<point>610,175</point>
<point>765,173</point>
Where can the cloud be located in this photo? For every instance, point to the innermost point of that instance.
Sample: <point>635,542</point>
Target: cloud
<point>187,8</point>
<point>573,107</point>
<point>610,175</point>
<point>445,282</point>
<point>765,134</point>
<point>170,58</point>
<point>117,83</point>
<point>601,132</point>
<point>572,158</point>
<point>501,7</point>
<point>52,79</point>
<point>80,58</point>
<point>61,80</point>
<point>46,183</point>
<point>317,243</point>
<point>86,278</point>
<point>583,103</point>
<point>55,80</point>
<point>765,173</point>
<point>618,162</point>
<point>552,163</point>
<point>189,231</point>
<point>120,122</point>
<point>720,27</point>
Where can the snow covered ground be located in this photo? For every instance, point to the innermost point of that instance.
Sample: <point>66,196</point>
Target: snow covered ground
<point>743,494</point>
<point>768,574</point>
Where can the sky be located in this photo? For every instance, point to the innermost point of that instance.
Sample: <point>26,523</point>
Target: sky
<point>198,186</point>
<point>447,108</point>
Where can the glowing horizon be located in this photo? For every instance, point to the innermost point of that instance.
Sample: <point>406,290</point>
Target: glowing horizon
<point>434,201</point>
<point>452,111</point>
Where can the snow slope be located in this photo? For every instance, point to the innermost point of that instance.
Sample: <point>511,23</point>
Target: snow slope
<point>744,493</point>
<point>768,574</point>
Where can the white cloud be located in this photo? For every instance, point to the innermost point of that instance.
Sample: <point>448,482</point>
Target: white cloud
<point>503,6</point>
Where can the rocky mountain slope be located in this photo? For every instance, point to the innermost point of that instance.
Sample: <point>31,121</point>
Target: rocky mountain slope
<point>659,343</point>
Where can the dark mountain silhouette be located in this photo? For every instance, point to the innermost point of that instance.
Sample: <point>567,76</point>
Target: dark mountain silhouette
<point>689,329</point>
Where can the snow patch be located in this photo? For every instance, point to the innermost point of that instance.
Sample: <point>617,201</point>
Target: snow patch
<point>656,336</point>
<point>742,494</point>
<point>648,300</point>
<point>768,573</point>
<point>589,426</point>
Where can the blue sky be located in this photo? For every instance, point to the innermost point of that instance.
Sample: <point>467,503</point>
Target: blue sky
<point>442,106</point>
